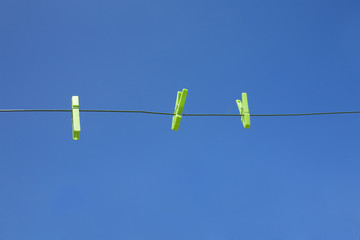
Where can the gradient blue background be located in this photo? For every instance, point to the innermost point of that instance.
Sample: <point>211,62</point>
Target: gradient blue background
<point>131,177</point>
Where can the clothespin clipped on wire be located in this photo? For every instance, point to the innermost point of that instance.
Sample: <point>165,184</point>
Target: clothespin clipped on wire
<point>179,107</point>
<point>244,110</point>
<point>75,115</point>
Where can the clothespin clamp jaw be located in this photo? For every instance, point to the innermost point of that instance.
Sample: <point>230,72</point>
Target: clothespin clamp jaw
<point>75,115</point>
<point>179,107</point>
<point>244,110</point>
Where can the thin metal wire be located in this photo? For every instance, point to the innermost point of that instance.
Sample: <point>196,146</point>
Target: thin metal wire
<point>34,110</point>
<point>186,114</point>
<point>271,115</point>
<point>124,111</point>
<point>302,114</point>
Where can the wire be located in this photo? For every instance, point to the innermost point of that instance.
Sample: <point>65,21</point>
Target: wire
<point>303,114</point>
<point>185,114</point>
<point>123,111</point>
<point>34,110</point>
<point>270,115</point>
<point>81,110</point>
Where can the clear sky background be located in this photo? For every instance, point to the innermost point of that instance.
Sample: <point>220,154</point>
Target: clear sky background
<point>131,177</point>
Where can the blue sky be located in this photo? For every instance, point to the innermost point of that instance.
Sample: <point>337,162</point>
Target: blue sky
<point>130,176</point>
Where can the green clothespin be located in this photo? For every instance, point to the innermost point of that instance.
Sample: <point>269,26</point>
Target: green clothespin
<point>179,107</point>
<point>244,110</point>
<point>75,115</point>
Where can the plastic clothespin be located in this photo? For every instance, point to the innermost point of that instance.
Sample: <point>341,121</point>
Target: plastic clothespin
<point>75,115</point>
<point>244,110</point>
<point>179,107</point>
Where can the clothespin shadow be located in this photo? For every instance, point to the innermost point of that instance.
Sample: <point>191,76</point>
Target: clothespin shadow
<point>244,110</point>
<point>75,115</point>
<point>179,107</point>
